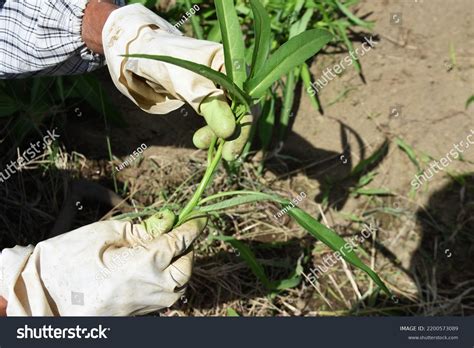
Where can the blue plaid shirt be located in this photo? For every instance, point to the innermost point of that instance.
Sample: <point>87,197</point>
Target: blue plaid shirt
<point>43,37</point>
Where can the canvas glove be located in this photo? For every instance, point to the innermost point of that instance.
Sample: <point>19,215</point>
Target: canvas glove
<point>158,87</point>
<point>109,268</point>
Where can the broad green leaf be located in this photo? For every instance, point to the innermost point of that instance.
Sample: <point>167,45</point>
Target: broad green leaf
<point>233,41</point>
<point>203,70</point>
<point>262,36</point>
<point>334,241</point>
<point>290,55</point>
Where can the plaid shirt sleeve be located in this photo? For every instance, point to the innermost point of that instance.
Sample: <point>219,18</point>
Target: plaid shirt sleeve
<point>43,37</point>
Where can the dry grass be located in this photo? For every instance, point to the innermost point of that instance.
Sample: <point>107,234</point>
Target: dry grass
<point>403,251</point>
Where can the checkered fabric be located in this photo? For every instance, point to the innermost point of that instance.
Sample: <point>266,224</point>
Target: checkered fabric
<point>43,37</point>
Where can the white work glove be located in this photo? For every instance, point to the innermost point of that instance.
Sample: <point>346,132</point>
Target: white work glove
<point>158,87</point>
<point>109,268</point>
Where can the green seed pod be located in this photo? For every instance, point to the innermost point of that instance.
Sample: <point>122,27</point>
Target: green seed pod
<point>160,223</point>
<point>219,117</point>
<point>203,137</point>
<point>232,149</point>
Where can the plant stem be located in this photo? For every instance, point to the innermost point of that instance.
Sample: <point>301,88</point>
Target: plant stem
<point>202,185</point>
<point>216,156</point>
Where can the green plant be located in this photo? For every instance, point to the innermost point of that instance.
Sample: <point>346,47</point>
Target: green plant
<point>245,91</point>
<point>287,18</point>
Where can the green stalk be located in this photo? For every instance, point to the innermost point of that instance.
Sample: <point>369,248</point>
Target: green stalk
<point>216,156</point>
<point>210,153</point>
<point>288,98</point>
<point>197,29</point>
<point>202,185</point>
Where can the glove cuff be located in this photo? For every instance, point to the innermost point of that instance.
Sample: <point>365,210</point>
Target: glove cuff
<point>136,16</point>
<point>12,263</point>
<point>157,87</point>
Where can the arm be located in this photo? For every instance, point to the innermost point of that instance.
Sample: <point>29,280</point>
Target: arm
<point>52,37</point>
<point>3,307</point>
<point>95,16</point>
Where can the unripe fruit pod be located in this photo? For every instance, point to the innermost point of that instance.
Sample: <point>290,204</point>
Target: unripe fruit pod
<point>219,117</point>
<point>160,223</point>
<point>202,138</point>
<point>233,148</point>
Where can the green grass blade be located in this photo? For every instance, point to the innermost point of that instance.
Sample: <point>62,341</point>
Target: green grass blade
<point>352,17</point>
<point>203,70</point>
<point>233,41</point>
<point>215,33</point>
<point>301,25</point>
<point>314,227</point>
<point>262,36</point>
<point>469,101</point>
<point>409,151</point>
<point>334,241</point>
<point>266,122</point>
<point>257,269</point>
<point>197,29</point>
<point>249,258</point>
<point>287,106</point>
<point>341,28</point>
<point>286,283</point>
<point>372,192</point>
<point>231,312</point>
<point>236,201</point>
<point>306,77</point>
<point>288,56</point>
<point>374,158</point>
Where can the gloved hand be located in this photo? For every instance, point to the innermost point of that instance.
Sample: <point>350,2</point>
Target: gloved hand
<point>158,87</point>
<point>109,268</point>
